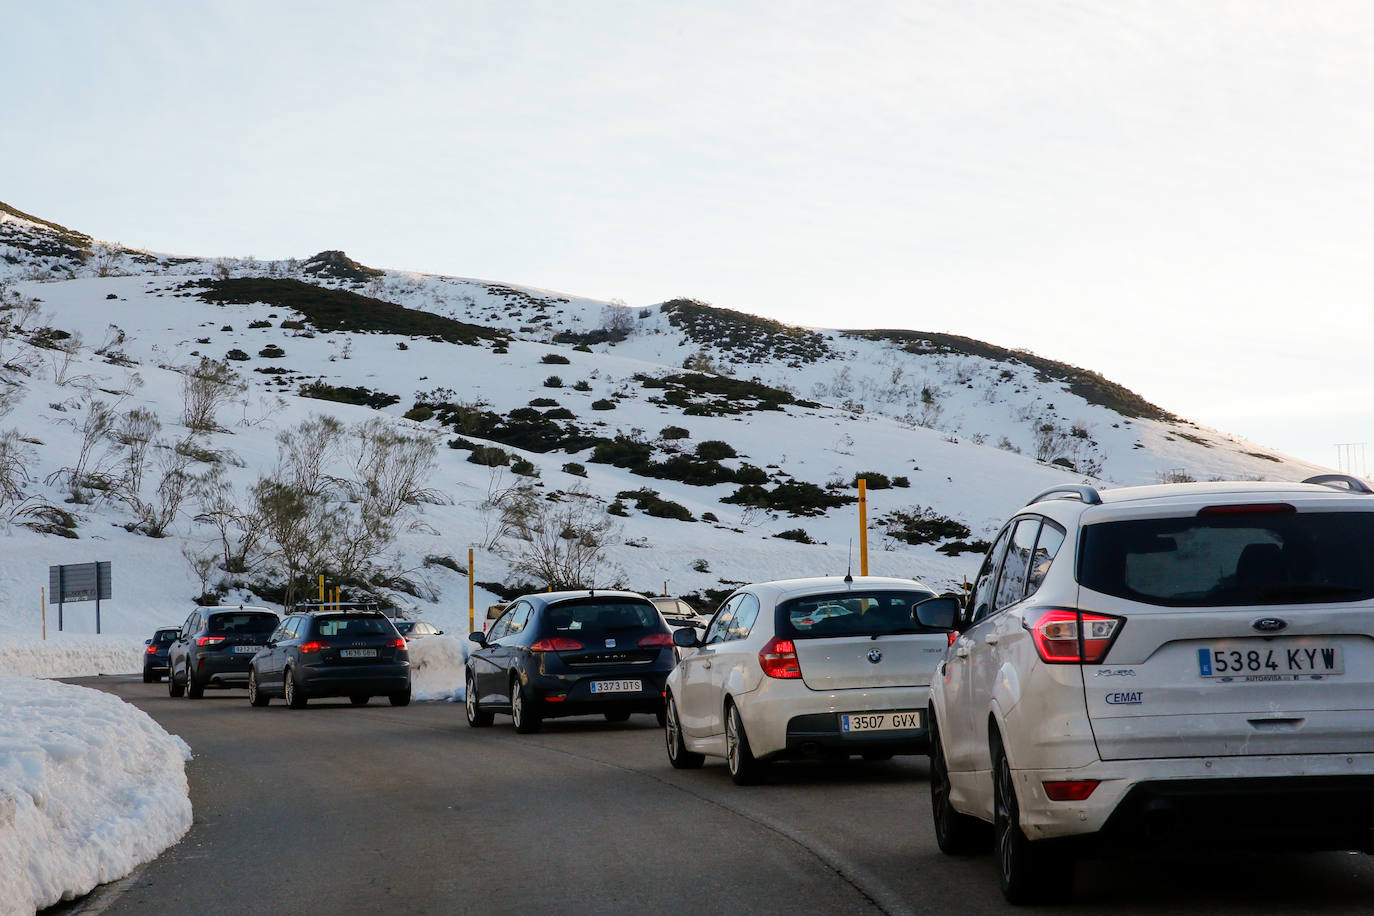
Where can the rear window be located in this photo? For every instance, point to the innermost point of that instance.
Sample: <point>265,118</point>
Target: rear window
<point>353,625</point>
<point>593,618</point>
<point>242,623</point>
<point>165,637</point>
<point>1218,561</point>
<point>850,614</point>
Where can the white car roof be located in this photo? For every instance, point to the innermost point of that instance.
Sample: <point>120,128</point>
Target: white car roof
<point>782,589</point>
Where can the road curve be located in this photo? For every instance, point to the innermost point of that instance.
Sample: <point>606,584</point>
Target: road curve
<point>343,809</point>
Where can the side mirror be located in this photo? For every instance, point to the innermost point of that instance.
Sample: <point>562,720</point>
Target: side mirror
<point>147,642</point>
<point>479,638</point>
<point>937,613</point>
<point>686,638</point>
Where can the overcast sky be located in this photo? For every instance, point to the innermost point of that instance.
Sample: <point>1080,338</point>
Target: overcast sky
<point>1177,195</point>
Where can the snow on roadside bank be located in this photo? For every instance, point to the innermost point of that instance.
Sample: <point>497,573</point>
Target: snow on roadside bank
<point>61,655</point>
<point>436,667</point>
<point>90,789</point>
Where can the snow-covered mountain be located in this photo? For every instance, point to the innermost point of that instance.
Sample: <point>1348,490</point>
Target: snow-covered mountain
<point>725,446</point>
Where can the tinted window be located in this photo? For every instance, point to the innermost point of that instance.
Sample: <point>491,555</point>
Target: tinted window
<point>745,613</point>
<point>519,617</point>
<point>1214,561</point>
<point>1046,548</point>
<point>405,626</point>
<point>1011,585</point>
<point>981,602</point>
<point>241,622</point>
<point>353,625</point>
<point>858,613</point>
<point>596,618</point>
<point>164,637</point>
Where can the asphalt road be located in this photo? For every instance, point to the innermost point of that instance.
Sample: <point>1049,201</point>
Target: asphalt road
<point>340,809</point>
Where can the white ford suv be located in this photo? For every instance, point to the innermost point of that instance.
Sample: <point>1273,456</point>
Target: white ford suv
<point>1189,663</point>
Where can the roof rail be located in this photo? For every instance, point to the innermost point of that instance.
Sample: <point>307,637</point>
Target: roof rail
<point>1335,481</point>
<point>1088,494</point>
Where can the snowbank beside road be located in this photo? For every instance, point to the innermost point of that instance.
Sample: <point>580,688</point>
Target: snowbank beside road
<point>61,655</point>
<point>90,789</point>
<point>436,667</point>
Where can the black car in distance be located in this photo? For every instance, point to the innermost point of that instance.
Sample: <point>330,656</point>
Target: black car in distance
<point>155,654</point>
<point>571,653</point>
<point>214,646</point>
<point>332,653</point>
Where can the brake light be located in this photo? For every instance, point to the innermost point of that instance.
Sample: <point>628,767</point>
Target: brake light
<point>1070,789</point>
<point>398,643</point>
<point>556,644</point>
<point>656,639</point>
<point>779,659</point>
<point>1064,637</point>
<point>209,640</point>
<point>313,646</point>
<point>152,650</point>
<point>1250,509</point>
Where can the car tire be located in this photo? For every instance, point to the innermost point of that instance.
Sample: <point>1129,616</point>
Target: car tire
<point>149,677</point>
<point>399,698</point>
<point>618,716</point>
<point>359,699</point>
<point>1027,873</point>
<point>662,717</point>
<point>477,718</point>
<point>295,697</point>
<point>678,755</point>
<point>174,688</point>
<point>255,695</point>
<point>522,711</point>
<point>745,769</point>
<point>956,834</point>
<point>194,690</point>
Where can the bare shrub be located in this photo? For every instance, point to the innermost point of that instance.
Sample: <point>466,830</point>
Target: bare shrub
<point>563,544</point>
<point>206,387</point>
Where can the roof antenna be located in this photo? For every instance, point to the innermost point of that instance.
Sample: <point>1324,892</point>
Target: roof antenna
<point>849,571</point>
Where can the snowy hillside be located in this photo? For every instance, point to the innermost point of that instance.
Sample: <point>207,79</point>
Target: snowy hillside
<point>706,434</point>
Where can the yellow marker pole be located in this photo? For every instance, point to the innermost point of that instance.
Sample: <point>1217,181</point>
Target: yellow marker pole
<point>472,603</point>
<point>321,588</point>
<point>863,527</point>
<point>43,598</point>
<point>665,588</point>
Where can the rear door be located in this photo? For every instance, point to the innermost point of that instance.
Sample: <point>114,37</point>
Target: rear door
<point>1231,643</point>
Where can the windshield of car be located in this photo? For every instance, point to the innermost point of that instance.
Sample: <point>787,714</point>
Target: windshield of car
<point>405,626</point>
<point>594,618</point>
<point>1233,559</point>
<point>858,613</point>
<point>353,625</point>
<point>240,622</point>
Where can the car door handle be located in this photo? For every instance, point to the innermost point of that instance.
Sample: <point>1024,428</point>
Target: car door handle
<point>991,639</point>
<point>961,651</point>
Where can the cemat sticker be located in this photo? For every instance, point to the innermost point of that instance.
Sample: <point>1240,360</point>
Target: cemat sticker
<point>1125,698</point>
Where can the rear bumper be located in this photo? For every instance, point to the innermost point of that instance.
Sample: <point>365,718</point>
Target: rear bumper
<point>223,669</point>
<point>822,732</point>
<point>346,680</point>
<point>1275,801</point>
<point>562,695</point>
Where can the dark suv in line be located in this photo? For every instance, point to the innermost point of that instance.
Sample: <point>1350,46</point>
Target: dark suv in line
<point>570,654</point>
<point>155,655</point>
<point>214,646</point>
<point>332,653</point>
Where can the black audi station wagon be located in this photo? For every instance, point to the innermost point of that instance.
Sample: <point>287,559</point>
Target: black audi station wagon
<point>570,654</point>
<point>332,652</point>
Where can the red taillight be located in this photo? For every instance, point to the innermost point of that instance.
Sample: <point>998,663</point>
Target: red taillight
<point>398,643</point>
<point>656,639</point>
<point>779,659</point>
<point>313,646</point>
<point>952,635</point>
<point>1070,789</point>
<point>1250,509</point>
<point>152,650</point>
<point>556,644</point>
<point>1064,637</point>
<point>209,640</point>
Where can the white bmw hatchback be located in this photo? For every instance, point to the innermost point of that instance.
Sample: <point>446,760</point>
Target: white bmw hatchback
<point>1166,665</point>
<point>804,666</point>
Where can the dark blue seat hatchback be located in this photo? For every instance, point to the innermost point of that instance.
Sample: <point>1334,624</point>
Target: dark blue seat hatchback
<point>570,654</point>
<point>332,653</point>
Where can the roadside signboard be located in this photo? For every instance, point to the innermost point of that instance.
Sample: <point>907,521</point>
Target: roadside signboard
<point>80,582</point>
